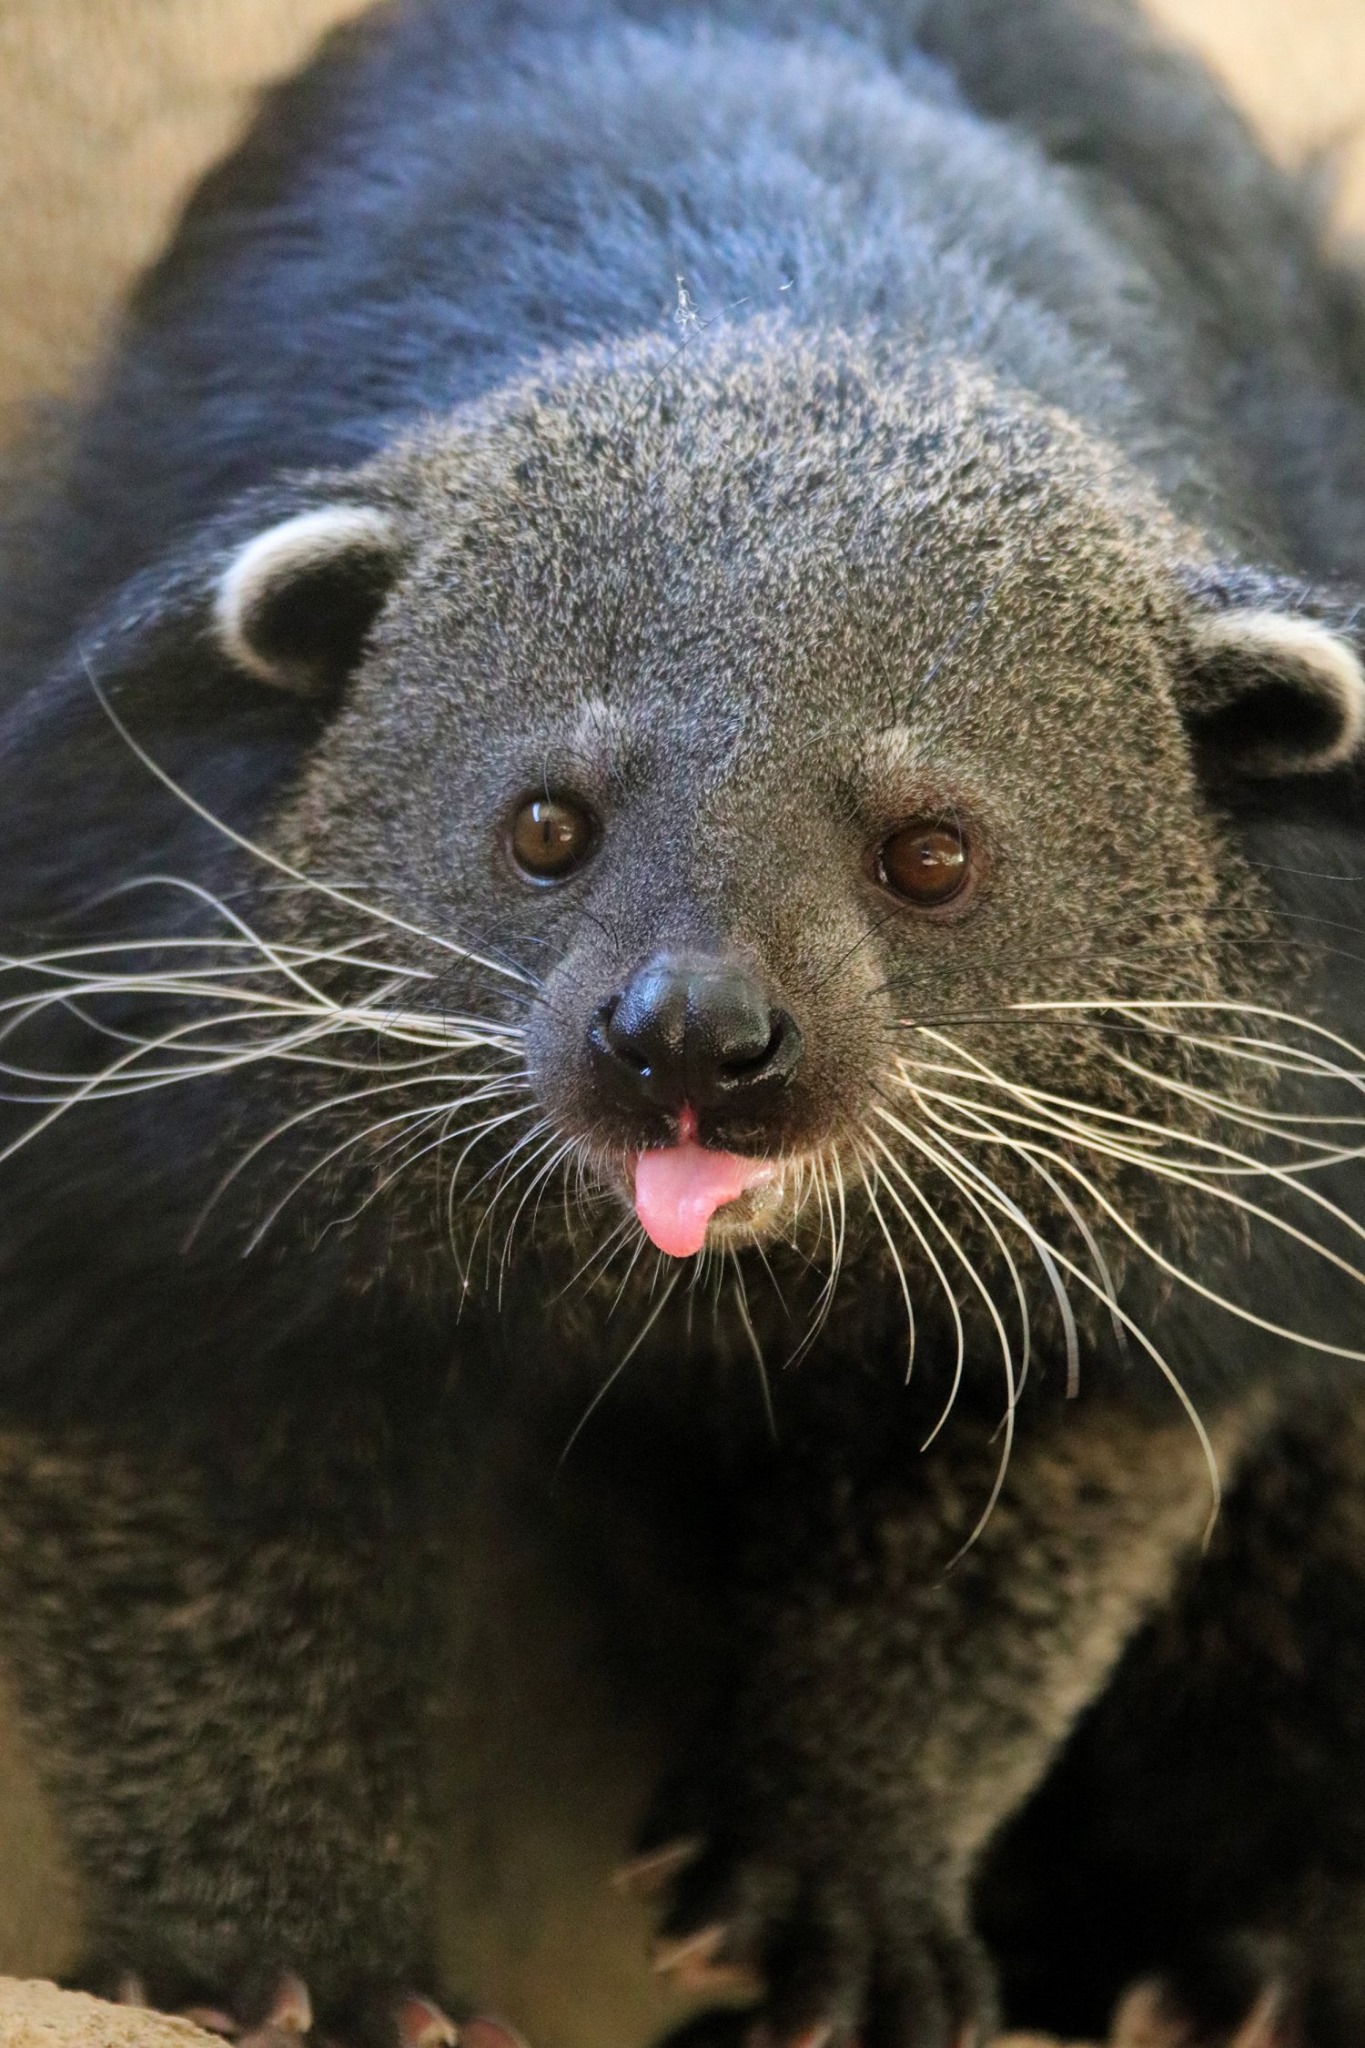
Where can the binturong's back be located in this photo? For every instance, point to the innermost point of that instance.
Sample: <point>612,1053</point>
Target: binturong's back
<point>680,839</point>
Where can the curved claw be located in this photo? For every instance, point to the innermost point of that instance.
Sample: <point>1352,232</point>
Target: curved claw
<point>1261,2028</point>
<point>291,2009</point>
<point>288,2018</point>
<point>818,2036</point>
<point>485,2032</point>
<point>645,1876</point>
<point>420,2023</point>
<point>698,1962</point>
<point>1143,2018</point>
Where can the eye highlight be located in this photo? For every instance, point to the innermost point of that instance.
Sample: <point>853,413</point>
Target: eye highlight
<point>550,837</point>
<point>927,863</point>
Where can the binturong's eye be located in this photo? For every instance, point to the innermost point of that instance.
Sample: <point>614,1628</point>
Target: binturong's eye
<point>550,837</point>
<point>926,863</point>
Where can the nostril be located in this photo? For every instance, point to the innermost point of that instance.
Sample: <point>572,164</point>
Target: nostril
<point>625,1034</point>
<point>741,1063</point>
<point>775,1060</point>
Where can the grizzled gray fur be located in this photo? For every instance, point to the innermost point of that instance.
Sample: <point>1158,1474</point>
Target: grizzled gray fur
<point>681,813</point>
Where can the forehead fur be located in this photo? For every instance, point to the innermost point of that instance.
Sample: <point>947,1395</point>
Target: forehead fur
<point>765,511</point>
<point>777,454</point>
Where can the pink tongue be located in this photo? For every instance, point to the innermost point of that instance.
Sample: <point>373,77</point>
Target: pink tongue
<point>678,1191</point>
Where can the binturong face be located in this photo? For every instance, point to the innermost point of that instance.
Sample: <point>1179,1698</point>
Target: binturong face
<point>776,780</point>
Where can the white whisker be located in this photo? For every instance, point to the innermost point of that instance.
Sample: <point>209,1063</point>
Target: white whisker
<point>931,1255</point>
<point>870,1179</point>
<point>273,860</point>
<point>660,1305</point>
<point>1109,1144</point>
<point>338,1151</point>
<point>747,1325</point>
<point>1002,1334</point>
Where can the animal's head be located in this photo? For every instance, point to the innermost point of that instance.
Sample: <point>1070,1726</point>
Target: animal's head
<point>767,781</point>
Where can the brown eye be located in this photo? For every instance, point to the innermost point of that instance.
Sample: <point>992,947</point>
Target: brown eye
<point>927,863</point>
<point>550,838</point>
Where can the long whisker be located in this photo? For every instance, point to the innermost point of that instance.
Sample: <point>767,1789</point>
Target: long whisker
<point>870,1177</point>
<point>302,1116</point>
<point>1226,1006</point>
<point>640,1338</point>
<point>1109,1143</point>
<point>893,1195</point>
<point>1088,1238</point>
<point>348,1144</point>
<point>833,1210</point>
<point>410,1145</point>
<point>535,1185</point>
<point>1043,1250</point>
<point>273,860</point>
<point>1002,1334</point>
<point>1270,1122</point>
<point>1103,1147</point>
<point>601,1254</point>
<point>1163,1365</point>
<point>741,1295</point>
<point>1136,1130</point>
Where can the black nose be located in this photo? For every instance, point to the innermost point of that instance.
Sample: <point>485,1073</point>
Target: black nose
<point>690,1028</point>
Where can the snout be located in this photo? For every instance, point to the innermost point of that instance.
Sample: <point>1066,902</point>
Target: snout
<point>694,1031</point>
<point>701,1101</point>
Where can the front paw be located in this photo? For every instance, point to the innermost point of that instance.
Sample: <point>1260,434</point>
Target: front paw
<point>827,1959</point>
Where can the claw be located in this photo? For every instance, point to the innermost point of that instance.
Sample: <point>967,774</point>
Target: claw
<point>289,2018</point>
<point>1144,2019</point>
<point>210,2019</point>
<point>646,1875</point>
<point>1261,2027</point>
<point>291,2010</point>
<point>696,1962</point>
<point>419,2023</point>
<point>131,1989</point>
<point>485,2032</point>
<point>672,1957</point>
<point>763,2036</point>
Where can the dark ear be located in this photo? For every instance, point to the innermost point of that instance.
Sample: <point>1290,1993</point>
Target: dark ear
<point>1274,692</point>
<point>294,603</point>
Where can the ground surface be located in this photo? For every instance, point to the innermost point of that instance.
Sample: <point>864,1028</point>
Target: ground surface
<point>37,2015</point>
<point>107,109</point>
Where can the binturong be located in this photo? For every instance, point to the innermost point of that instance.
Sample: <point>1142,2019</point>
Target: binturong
<point>681,850</point>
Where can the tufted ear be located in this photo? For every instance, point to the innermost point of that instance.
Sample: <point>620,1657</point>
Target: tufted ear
<point>295,602</point>
<point>1273,692</point>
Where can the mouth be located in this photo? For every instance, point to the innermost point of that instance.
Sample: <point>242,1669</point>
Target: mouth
<point>688,1198</point>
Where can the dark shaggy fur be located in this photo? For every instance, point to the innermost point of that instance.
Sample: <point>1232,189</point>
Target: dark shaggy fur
<point>759,426</point>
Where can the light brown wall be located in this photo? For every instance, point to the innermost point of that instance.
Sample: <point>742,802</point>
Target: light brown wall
<point>108,110</point>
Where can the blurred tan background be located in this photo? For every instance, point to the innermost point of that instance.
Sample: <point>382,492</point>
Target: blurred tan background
<point>108,108</point>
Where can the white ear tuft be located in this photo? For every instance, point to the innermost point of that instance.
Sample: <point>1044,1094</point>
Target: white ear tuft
<point>294,603</point>
<point>1281,694</point>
